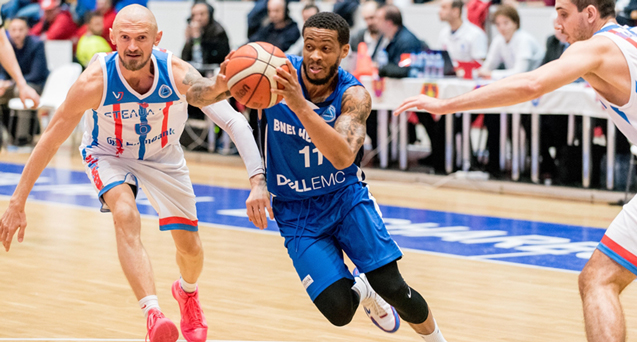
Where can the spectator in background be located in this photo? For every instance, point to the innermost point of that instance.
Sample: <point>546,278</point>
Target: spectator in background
<point>281,31</point>
<point>56,22</point>
<point>92,41</point>
<point>29,52</point>
<point>346,9</point>
<point>107,11</point>
<point>401,40</point>
<point>519,52</point>
<point>206,40</point>
<point>464,41</point>
<point>516,49</point>
<point>307,11</point>
<point>369,35</point>
<point>28,9</point>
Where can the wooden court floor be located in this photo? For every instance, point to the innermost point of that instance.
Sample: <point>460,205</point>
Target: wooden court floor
<point>65,281</point>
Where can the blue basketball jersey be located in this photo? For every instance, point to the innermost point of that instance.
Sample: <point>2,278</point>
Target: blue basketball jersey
<point>132,125</point>
<point>295,168</point>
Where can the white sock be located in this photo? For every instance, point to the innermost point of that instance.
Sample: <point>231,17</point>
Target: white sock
<point>435,336</point>
<point>361,288</point>
<point>187,286</point>
<point>147,303</point>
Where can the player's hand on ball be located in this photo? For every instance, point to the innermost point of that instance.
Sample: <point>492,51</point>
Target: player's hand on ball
<point>422,102</point>
<point>292,91</point>
<point>258,202</point>
<point>12,220</point>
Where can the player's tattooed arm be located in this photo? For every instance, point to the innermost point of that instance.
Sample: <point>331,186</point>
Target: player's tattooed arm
<point>204,91</point>
<point>355,108</point>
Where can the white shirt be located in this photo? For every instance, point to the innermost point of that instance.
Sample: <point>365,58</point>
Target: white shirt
<point>468,43</point>
<point>521,54</point>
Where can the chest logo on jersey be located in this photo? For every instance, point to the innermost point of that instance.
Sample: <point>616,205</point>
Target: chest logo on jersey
<point>165,91</point>
<point>118,95</point>
<point>329,114</point>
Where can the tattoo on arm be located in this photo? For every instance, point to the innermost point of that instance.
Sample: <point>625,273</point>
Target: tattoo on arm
<point>191,76</point>
<point>355,108</point>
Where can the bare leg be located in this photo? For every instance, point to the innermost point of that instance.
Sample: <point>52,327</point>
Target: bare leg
<point>189,254</point>
<point>427,327</point>
<point>600,283</point>
<point>131,252</point>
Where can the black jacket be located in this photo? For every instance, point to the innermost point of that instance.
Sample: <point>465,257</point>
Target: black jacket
<point>403,42</point>
<point>281,38</point>
<point>214,45</point>
<point>554,49</point>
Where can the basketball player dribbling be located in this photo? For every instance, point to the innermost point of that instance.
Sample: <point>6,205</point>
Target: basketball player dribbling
<point>605,55</point>
<point>135,113</point>
<point>322,207</point>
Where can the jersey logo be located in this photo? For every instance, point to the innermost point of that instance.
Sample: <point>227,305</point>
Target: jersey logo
<point>329,114</point>
<point>118,95</point>
<point>142,128</point>
<point>165,91</point>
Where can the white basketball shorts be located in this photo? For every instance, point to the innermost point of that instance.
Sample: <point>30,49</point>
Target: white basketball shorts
<point>620,240</point>
<point>164,179</point>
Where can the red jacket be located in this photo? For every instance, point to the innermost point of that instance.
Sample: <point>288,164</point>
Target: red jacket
<point>63,27</point>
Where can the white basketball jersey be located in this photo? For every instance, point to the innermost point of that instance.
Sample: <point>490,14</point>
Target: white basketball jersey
<point>132,125</point>
<point>624,117</point>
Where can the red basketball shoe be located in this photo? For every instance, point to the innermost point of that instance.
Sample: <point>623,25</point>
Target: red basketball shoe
<point>193,323</point>
<point>160,328</point>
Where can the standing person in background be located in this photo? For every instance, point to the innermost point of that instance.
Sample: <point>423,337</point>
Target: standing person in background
<point>307,11</point>
<point>56,22</point>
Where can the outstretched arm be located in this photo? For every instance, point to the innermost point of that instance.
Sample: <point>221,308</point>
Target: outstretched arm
<point>341,143</point>
<point>578,60</point>
<point>200,91</point>
<point>86,93</point>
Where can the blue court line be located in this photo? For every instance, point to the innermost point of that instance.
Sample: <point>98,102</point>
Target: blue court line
<point>531,243</point>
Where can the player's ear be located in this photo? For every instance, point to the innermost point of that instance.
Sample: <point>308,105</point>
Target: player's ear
<point>591,13</point>
<point>344,51</point>
<point>158,37</point>
<point>111,35</point>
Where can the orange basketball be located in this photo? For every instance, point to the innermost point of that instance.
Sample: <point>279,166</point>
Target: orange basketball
<point>250,74</point>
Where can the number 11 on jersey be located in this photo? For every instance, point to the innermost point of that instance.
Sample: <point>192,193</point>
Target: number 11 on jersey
<point>306,154</point>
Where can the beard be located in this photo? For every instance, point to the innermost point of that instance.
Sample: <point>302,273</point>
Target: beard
<point>321,81</point>
<point>133,65</point>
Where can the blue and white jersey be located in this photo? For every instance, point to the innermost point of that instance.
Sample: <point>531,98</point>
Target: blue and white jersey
<point>624,117</point>
<point>132,125</point>
<point>295,168</point>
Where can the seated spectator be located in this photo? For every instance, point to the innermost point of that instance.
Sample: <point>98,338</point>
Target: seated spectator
<point>206,40</point>
<point>307,11</point>
<point>464,41</point>
<point>92,41</point>
<point>401,40</point>
<point>519,52</point>
<point>516,49</point>
<point>56,22</point>
<point>346,9</point>
<point>281,31</point>
<point>370,35</point>
<point>29,52</point>
<point>107,11</point>
<point>119,4</point>
<point>257,16</point>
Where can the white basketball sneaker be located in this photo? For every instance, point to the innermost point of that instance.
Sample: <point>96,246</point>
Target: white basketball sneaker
<point>377,309</point>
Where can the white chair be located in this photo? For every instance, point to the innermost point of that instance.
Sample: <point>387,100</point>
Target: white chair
<point>55,90</point>
<point>58,53</point>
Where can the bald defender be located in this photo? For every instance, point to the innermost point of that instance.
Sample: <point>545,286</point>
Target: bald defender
<point>134,103</point>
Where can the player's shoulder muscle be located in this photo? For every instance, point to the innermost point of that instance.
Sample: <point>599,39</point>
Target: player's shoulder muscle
<point>86,92</point>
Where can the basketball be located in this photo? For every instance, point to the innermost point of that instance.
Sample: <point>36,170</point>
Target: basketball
<point>250,74</point>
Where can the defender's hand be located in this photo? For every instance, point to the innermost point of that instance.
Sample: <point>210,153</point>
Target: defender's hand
<point>258,202</point>
<point>422,102</point>
<point>292,91</point>
<point>12,220</point>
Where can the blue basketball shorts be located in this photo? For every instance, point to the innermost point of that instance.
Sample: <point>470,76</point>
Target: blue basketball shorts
<point>319,229</point>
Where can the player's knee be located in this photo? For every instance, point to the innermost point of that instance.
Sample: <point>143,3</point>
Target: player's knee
<point>189,246</point>
<point>339,314</point>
